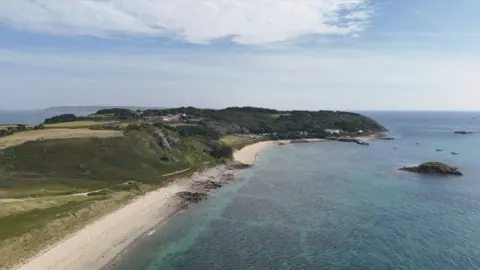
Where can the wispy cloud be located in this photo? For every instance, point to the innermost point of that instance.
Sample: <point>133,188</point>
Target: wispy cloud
<point>335,79</point>
<point>195,21</point>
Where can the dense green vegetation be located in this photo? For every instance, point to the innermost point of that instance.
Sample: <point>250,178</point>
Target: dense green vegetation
<point>285,123</point>
<point>77,165</point>
<point>62,118</point>
<point>118,113</point>
<point>6,130</point>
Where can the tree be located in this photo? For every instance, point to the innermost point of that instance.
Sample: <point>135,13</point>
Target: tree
<point>21,127</point>
<point>221,151</point>
<point>68,117</point>
<point>39,127</point>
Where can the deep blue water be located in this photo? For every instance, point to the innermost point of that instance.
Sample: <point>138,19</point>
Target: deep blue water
<point>33,117</point>
<point>336,206</point>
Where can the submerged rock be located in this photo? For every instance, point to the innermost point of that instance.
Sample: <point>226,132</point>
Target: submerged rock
<point>209,185</point>
<point>464,132</point>
<point>437,168</point>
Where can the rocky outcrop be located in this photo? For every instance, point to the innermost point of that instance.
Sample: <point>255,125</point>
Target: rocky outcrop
<point>238,166</point>
<point>299,141</point>
<point>434,168</point>
<point>191,197</point>
<point>464,132</point>
<point>350,139</point>
<point>162,139</point>
<point>206,185</point>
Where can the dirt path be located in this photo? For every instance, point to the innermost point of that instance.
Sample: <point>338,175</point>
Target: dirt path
<point>177,172</point>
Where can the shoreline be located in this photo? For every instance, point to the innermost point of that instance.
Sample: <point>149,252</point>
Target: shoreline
<point>102,241</point>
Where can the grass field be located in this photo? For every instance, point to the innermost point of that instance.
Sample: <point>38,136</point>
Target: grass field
<point>101,116</point>
<point>232,139</point>
<point>7,126</point>
<point>77,124</point>
<point>48,134</point>
<point>238,142</point>
<point>28,227</point>
<point>180,124</point>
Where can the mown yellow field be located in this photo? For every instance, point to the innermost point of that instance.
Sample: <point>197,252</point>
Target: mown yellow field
<point>57,133</point>
<point>232,139</point>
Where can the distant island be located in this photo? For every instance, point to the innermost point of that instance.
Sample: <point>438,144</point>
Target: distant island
<point>86,110</point>
<point>434,168</point>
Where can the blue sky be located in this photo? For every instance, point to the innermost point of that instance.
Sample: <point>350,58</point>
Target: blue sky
<point>288,54</point>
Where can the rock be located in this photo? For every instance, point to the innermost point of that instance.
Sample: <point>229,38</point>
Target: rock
<point>299,141</point>
<point>238,166</point>
<point>436,168</point>
<point>162,140</point>
<point>192,197</point>
<point>464,132</point>
<point>347,139</point>
<point>227,177</point>
<point>209,185</point>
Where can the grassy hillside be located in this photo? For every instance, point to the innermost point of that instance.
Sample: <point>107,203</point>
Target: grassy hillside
<point>37,176</point>
<point>77,124</point>
<point>81,164</point>
<point>36,135</point>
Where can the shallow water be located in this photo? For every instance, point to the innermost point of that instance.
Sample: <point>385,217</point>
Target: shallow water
<point>336,206</point>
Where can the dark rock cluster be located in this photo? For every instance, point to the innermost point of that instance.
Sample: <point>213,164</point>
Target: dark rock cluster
<point>238,166</point>
<point>192,197</point>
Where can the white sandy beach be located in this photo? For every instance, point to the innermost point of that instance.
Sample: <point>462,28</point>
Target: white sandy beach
<point>97,244</point>
<point>249,153</point>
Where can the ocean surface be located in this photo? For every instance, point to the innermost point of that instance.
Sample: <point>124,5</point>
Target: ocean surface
<point>336,206</point>
<point>34,117</point>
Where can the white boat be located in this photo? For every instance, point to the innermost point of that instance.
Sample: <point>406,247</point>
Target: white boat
<point>454,153</point>
<point>418,142</point>
<point>438,150</point>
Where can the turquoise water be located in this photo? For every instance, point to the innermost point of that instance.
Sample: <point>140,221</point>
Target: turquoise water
<point>336,206</point>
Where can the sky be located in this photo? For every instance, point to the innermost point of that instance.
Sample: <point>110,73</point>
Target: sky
<point>284,54</point>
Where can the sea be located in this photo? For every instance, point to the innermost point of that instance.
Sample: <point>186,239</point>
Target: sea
<point>334,205</point>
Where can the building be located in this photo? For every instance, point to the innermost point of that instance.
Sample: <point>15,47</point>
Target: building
<point>333,131</point>
<point>172,118</point>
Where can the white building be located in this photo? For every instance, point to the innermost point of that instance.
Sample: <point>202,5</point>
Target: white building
<point>333,131</point>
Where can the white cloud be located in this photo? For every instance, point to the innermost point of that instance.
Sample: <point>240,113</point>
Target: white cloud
<point>196,21</point>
